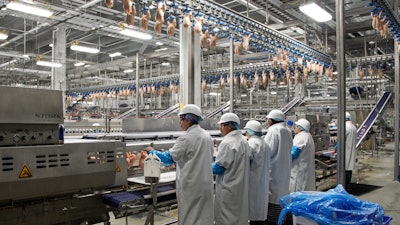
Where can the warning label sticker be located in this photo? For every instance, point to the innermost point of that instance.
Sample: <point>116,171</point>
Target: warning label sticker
<point>118,168</point>
<point>25,172</point>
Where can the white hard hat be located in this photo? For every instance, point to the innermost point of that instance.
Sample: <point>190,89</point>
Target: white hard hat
<point>276,115</point>
<point>191,108</point>
<point>229,117</point>
<point>304,124</point>
<point>253,125</point>
<point>348,116</point>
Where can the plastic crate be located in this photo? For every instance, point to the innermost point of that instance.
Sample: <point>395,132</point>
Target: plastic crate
<point>299,220</point>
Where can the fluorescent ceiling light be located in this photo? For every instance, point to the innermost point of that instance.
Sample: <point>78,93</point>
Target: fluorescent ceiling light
<point>316,12</point>
<point>87,5</point>
<point>159,43</point>
<point>135,34</point>
<point>3,36</point>
<point>80,48</point>
<point>79,64</point>
<point>49,64</point>
<point>128,71</point>
<point>112,55</point>
<point>165,64</point>
<point>30,9</point>
<point>86,65</point>
<point>297,29</point>
<point>160,49</point>
<point>51,45</point>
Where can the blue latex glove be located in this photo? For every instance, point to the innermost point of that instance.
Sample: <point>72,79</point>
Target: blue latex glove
<point>295,152</point>
<point>217,169</point>
<point>336,147</point>
<point>165,157</point>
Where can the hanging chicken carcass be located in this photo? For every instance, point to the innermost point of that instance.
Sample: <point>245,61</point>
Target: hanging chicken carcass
<point>187,20</point>
<point>171,25</point>
<point>238,47</point>
<point>203,38</point>
<point>160,12</point>
<point>360,72</point>
<point>198,26</point>
<point>213,40</point>
<point>145,18</point>
<point>127,4</point>
<point>246,42</point>
<point>109,3</point>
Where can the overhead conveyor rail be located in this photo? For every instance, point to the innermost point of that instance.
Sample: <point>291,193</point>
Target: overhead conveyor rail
<point>168,111</point>
<point>291,105</point>
<point>218,110</point>
<point>239,25</point>
<point>384,8</point>
<point>373,116</point>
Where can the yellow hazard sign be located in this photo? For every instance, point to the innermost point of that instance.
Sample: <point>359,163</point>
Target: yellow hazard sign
<point>25,172</point>
<point>118,168</point>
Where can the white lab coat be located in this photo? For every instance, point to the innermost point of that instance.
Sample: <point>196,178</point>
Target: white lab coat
<point>259,178</point>
<point>302,175</point>
<point>279,139</point>
<point>193,154</point>
<point>231,188</point>
<point>351,138</point>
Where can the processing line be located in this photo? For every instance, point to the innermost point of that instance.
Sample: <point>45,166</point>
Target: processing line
<point>46,179</point>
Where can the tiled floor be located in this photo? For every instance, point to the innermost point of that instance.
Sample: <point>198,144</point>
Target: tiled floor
<point>374,176</point>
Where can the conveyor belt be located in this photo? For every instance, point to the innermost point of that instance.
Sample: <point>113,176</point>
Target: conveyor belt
<point>218,110</point>
<point>145,135</point>
<point>372,117</point>
<point>139,197</point>
<point>291,105</point>
<point>168,111</point>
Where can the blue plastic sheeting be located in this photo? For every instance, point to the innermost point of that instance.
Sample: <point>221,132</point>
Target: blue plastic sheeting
<point>334,207</point>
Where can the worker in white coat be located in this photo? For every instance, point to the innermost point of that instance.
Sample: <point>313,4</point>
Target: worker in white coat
<point>279,139</point>
<point>231,167</point>
<point>302,176</point>
<point>259,173</point>
<point>351,153</point>
<point>192,153</point>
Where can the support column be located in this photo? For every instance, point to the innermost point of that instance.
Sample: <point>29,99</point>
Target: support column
<point>137,85</point>
<point>231,85</point>
<point>341,86</point>
<point>396,100</point>
<point>197,92</point>
<point>186,67</point>
<point>59,55</point>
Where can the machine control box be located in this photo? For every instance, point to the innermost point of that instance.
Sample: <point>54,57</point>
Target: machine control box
<point>31,116</point>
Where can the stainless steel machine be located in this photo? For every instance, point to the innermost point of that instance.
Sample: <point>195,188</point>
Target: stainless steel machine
<point>43,180</point>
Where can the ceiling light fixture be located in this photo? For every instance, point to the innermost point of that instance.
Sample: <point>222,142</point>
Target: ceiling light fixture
<point>28,8</point>
<point>79,64</point>
<point>135,34</point>
<point>161,49</point>
<point>87,5</point>
<point>316,12</point>
<point>128,71</point>
<point>115,54</point>
<point>80,48</point>
<point>3,35</point>
<point>48,64</point>
<point>165,64</point>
